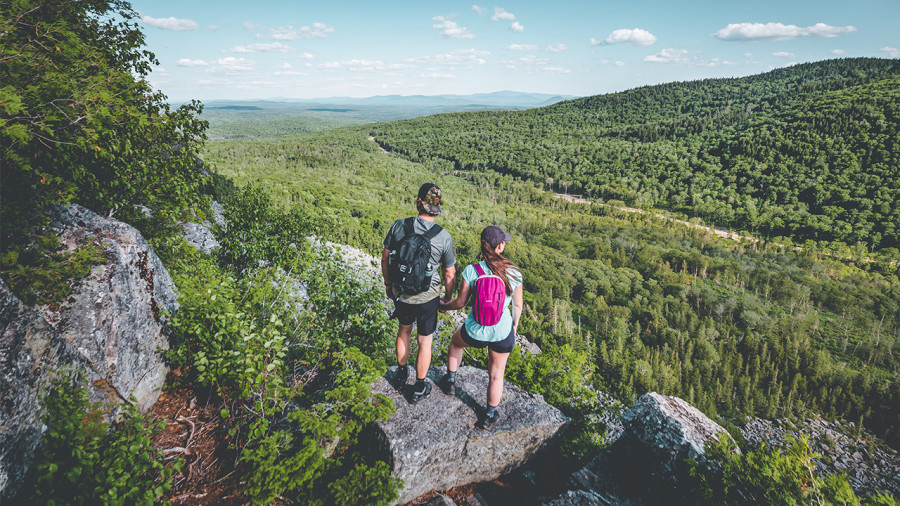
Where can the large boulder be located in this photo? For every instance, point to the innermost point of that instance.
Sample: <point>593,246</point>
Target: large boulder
<point>434,444</point>
<point>111,328</point>
<point>646,465</point>
<point>116,316</point>
<point>31,353</point>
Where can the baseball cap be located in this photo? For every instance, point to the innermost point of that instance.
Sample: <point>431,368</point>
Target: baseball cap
<point>430,195</point>
<point>494,235</point>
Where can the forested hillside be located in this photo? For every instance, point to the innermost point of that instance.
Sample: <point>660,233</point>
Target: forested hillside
<point>735,328</point>
<point>810,152</point>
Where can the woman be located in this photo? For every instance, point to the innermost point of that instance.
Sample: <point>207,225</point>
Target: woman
<point>499,338</point>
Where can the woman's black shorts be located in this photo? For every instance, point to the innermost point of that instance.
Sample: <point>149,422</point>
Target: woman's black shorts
<point>504,346</point>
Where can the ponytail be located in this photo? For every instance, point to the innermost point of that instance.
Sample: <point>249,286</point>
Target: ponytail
<point>498,264</point>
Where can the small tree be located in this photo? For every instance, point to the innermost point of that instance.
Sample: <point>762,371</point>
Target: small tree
<point>78,120</point>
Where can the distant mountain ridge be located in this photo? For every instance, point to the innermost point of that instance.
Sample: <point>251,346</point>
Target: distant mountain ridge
<point>512,99</point>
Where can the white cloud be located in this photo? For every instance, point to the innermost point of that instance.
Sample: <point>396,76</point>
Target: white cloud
<point>534,47</point>
<point>748,55</point>
<point>170,23</point>
<point>480,10</point>
<point>620,64</point>
<point>274,47</point>
<point>669,55</point>
<point>359,65</point>
<point>500,14</point>
<point>633,36</point>
<point>893,52</point>
<point>754,32</point>
<point>454,59</point>
<point>187,62</point>
<point>436,75</point>
<point>285,66</point>
<point>533,60</point>
<point>317,30</point>
<point>251,26</point>
<point>451,29</point>
<point>556,70</point>
<point>232,64</point>
<point>838,51</point>
<point>516,27</point>
<point>290,73</point>
<point>306,56</point>
<point>783,54</point>
<point>682,57</point>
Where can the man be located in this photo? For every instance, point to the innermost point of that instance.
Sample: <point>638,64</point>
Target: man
<point>420,307</point>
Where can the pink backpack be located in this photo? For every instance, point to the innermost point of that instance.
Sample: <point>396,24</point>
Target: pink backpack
<point>490,294</point>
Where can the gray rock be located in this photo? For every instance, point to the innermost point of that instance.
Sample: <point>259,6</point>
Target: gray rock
<point>434,445</point>
<point>474,500</point>
<point>200,236</point>
<point>116,316</point>
<point>31,354</point>
<point>218,214</point>
<point>670,427</point>
<point>441,500</point>
<point>577,498</point>
<point>647,463</point>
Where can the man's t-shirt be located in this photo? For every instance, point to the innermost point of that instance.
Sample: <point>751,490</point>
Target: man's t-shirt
<point>443,254</point>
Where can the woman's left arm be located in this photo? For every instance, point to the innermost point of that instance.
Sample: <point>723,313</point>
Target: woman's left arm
<point>517,306</point>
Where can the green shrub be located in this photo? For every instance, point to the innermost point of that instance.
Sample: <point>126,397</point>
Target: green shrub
<point>343,311</point>
<point>40,273</point>
<point>765,476</point>
<point>563,376</point>
<point>84,460</point>
<point>311,459</point>
<point>255,231</point>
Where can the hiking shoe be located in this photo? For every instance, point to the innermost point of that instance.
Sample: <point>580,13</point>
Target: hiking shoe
<point>448,385</point>
<point>418,396</point>
<point>401,375</point>
<point>487,422</point>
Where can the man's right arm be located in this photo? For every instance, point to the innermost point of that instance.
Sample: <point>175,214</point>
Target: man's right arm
<point>385,255</point>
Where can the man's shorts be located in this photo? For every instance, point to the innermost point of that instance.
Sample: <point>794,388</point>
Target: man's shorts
<point>504,346</point>
<point>425,315</point>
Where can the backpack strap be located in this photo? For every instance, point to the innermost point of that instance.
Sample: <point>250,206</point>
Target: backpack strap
<point>409,226</point>
<point>478,269</point>
<point>432,232</point>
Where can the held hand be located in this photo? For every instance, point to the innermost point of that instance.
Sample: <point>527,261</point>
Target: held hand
<point>388,292</point>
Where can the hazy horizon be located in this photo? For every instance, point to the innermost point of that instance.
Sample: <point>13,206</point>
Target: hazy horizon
<point>317,50</point>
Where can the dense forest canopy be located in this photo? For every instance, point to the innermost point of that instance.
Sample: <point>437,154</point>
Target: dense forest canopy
<point>810,152</point>
<point>738,329</point>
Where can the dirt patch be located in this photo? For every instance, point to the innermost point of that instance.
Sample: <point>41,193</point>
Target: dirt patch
<point>195,432</point>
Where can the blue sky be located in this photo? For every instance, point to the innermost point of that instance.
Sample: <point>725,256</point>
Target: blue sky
<point>327,48</point>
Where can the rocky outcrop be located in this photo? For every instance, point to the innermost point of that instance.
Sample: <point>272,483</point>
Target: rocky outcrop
<point>111,328</point>
<point>434,444</point>
<point>646,464</point>
<point>31,353</point>
<point>116,316</point>
<point>671,428</point>
<point>200,235</point>
<point>869,464</point>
